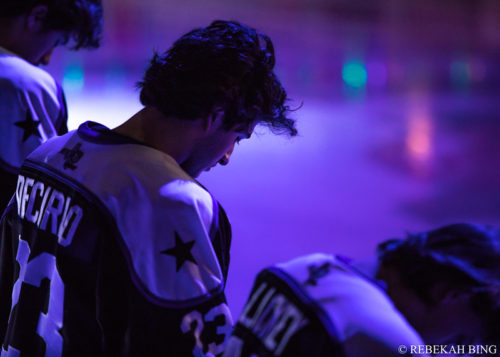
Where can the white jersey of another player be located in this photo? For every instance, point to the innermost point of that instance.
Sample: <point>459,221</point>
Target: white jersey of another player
<point>319,305</point>
<point>32,108</point>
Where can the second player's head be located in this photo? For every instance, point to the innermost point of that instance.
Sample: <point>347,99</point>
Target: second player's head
<point>447,282</point>
<point>35,27</point>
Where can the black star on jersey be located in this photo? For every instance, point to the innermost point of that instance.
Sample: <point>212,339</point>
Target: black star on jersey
<point>181,251</point>
<point>29,126</point>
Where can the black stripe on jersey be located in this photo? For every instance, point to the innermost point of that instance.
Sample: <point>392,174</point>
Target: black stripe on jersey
<point>61,124</point>
<point>220,234</point>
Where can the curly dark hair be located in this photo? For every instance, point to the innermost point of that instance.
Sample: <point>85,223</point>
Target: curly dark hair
<point>465,255</point>
<point>80,19</point>
<point>226,65</point>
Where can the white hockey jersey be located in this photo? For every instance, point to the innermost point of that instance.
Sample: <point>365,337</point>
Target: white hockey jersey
<point>32,110</point>
<point>134,253</point>
<point>318,305</point>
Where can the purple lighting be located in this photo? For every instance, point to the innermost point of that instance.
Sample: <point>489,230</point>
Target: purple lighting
<point>371,160</point>
<point>377,73</point>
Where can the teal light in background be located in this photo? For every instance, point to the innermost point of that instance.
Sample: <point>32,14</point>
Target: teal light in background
<point>73,78</point>
<point>354,74</point>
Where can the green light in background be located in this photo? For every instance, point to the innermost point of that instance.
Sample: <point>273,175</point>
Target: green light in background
<point>354,74</point>
<point>73,79</point>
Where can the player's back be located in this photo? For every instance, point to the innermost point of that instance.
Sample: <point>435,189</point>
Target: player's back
<point>318,305</point>
<point>96,257</point>
<point>48,278</point>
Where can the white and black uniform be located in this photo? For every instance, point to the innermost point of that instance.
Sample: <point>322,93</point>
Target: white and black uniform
<point>32,110</point>
<point>110,249</point>
<point>319,305</point>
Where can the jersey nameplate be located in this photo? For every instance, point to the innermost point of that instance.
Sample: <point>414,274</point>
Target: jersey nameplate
<point>272,317</point>
<point>49,209</point>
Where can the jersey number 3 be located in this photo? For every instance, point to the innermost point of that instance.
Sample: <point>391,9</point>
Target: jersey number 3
<point>33,272</point>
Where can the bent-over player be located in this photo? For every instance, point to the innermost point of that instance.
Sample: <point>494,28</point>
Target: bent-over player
<point>441,287</point>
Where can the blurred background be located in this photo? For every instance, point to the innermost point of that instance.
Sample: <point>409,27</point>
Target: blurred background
<point>398,125</point>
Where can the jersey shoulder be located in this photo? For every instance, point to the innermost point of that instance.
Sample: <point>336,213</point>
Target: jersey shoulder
<point>19,75</point>
<point>357,306</point>
<point>32,108</point>
<point>318,303</point>
<point>163,217</point>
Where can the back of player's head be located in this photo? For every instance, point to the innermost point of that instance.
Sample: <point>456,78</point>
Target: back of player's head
<point>465,256</point>
<point>80,19</point>
<point>226,65</point>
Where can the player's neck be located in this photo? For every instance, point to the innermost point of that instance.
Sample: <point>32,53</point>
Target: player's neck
<point>170,135</point>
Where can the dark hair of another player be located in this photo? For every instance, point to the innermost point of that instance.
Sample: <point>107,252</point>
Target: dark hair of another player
<point>226,65</point>
<point>464,255</point>
<point>80,19</point>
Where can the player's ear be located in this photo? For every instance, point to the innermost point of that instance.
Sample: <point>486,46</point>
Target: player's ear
<point>36,18</point>
<point>214,119</point>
